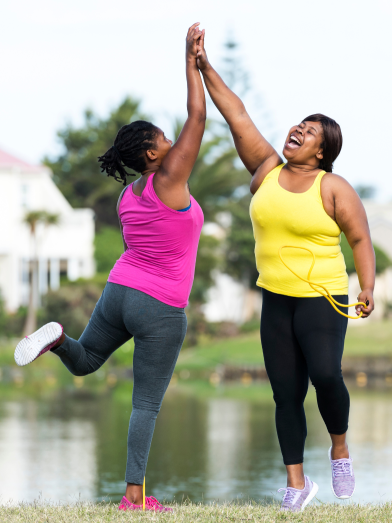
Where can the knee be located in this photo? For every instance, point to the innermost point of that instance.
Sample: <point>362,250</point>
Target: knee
<point>286,398</point>
<point>326,380</point>
<point>80,372</point>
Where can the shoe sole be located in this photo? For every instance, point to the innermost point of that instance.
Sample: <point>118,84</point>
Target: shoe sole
<point>341,497</point>
<point>30,347</point>
<point>311,495</point>
<point>333,492</point>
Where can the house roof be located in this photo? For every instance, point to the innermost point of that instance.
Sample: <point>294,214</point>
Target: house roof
<point>7,161</point>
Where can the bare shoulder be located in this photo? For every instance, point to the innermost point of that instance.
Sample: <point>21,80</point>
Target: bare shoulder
<point>335,185</point>
<point>263,170</point>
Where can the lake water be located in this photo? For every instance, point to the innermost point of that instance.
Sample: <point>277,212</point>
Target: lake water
<point>209,444</point>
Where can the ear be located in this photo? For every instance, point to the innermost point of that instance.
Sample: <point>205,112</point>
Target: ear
<point>151,155</point>
<point>320,155</point>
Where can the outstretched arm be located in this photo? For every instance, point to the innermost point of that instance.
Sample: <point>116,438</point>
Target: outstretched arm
<point>258,155</point>
<point>178,163</point>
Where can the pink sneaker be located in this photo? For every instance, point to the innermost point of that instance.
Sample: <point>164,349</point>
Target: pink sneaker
<point>151,504</point>
<point>42,340</point>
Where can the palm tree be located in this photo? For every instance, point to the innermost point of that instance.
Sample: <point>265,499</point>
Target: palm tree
<point>32,219</point>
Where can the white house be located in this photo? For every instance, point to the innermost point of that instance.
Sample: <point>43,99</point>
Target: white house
<point>66,248</point>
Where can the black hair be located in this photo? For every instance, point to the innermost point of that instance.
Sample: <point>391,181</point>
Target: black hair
<point>129,148</point>
<point>332,140</point>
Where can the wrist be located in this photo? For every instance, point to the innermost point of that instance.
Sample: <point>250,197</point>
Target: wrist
<point>206,68</point>
<point>368,290</point>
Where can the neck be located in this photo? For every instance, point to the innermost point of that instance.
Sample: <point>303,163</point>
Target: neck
<point>301,169</point>
<point>150,169</point>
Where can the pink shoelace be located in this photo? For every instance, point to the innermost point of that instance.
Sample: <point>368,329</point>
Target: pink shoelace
<point>153,502</point>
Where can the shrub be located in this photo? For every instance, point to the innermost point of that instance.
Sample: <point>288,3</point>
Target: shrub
<point>72,306</point>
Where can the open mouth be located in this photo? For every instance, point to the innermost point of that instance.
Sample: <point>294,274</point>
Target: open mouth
<point>293,142</point>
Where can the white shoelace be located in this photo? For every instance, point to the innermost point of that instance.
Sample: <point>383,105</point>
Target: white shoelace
<point>342,467</point>
<point>288,496</point>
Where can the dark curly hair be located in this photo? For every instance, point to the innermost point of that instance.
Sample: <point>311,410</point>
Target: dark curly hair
<point>129,148</point>
<point>332,140</point>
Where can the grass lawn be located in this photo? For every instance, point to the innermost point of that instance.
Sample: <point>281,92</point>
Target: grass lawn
<point>192,513</point>
<point>365,340</point>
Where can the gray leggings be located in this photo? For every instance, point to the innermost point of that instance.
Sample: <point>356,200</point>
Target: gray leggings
<point>159,331</point>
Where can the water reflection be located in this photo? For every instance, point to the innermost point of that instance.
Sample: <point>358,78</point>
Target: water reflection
<point>204,448</point>
<point>228,437</point>
<point>57,457</point>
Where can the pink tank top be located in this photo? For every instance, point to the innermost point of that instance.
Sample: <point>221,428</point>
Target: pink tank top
<point>162,246</point>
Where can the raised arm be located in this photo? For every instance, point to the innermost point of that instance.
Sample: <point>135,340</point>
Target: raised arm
<point>178,163</point>
<point>257,154</point>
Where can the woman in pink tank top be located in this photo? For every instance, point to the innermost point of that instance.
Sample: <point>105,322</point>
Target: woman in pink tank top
<point>150,284</point>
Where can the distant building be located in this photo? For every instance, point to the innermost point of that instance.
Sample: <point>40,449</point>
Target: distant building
<point>63,249</point>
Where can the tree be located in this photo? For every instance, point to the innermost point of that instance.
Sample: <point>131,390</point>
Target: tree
<point>32,219</point>
<point>365,192</point>
<point>240,243</point>
<point>76,170</point>
<point>382,259</point>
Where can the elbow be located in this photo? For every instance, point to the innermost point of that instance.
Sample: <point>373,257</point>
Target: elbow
<point>363,239</point>
<point>199,116</point>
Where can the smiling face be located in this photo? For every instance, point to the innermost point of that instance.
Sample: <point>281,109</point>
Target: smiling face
<point>303,145</point>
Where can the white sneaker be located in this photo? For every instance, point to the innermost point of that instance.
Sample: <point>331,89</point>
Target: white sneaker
<point>38,343</point>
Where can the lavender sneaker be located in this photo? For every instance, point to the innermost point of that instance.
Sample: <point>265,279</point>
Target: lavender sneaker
<point>343,480</point>
<point>295,500</point>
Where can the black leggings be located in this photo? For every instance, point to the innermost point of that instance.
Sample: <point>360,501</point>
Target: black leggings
<point>302,338</point>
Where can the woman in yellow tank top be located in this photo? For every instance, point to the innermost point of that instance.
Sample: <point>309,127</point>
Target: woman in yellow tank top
<point>303,205</point>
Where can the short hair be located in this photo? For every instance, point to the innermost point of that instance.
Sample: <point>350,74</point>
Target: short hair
<point>332,140</point>
<point>128,150</point>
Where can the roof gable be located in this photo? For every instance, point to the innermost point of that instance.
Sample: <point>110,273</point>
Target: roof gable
<point>7,161</point>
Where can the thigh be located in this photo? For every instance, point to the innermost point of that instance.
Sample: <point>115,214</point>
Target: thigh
<point>284,361</point>
<point>106,331</point>
<point>321,332</point>
<point>159,331</point>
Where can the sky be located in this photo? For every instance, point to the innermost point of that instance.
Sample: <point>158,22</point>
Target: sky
<point>308,56</point>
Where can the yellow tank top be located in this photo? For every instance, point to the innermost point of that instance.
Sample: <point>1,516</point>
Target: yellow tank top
<point>279,218</point>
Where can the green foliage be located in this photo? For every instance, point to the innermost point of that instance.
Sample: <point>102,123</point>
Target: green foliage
<point>365,191</point>
<point>32,218</point>
<point>72,306</point>
<point>382,259</point>
<point>348,255</point>
<point>108,248</point>
<point>207,260</point>
<point>11,325</point>
<point>76,170</point>
<point>240,243</point>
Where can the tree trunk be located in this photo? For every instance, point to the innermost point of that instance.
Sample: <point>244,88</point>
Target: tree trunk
<point>31,320</point>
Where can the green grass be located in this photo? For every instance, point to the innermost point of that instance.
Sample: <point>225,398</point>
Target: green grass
<point>369,339</point>
<point>196,513</point>
<point>241,350</point>
<point>373,339</point>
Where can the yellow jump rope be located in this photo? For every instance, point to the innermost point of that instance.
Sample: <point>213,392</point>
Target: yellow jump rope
<point>144,494</point>
<point>327,294</point>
